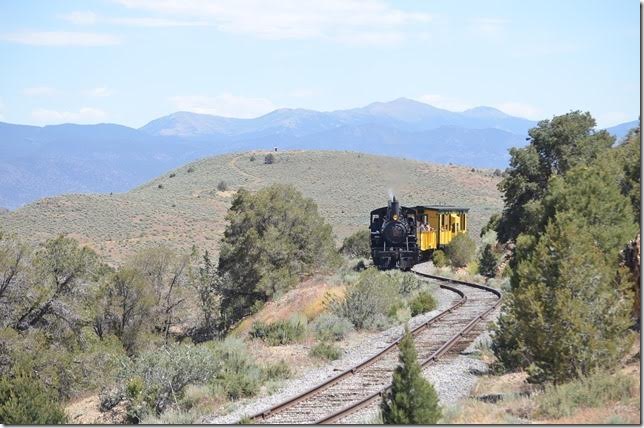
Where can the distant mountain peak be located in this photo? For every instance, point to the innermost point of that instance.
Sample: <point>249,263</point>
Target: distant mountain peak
<point>485,112</point>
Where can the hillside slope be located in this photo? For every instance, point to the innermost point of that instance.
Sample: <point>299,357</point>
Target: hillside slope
<point>183,207</point>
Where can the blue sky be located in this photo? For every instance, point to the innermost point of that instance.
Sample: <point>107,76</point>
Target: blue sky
<point>130,61</point>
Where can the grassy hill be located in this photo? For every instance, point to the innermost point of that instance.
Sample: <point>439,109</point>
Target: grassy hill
<point>183,207</point>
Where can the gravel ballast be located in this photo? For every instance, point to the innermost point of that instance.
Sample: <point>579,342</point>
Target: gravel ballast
<point>452,378</point>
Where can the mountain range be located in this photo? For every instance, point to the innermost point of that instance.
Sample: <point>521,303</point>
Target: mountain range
<point>36,162</point>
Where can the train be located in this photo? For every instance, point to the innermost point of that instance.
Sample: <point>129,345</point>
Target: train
<point>404,236</point>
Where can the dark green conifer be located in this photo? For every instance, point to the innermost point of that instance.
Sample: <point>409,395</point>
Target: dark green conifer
<point>411,399</point>
<point>487,263</point>
<point>25,401</point>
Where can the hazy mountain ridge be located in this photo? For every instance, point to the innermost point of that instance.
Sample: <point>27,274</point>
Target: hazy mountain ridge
<point>42,161</point>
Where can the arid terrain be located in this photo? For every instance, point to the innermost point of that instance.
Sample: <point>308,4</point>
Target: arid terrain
<point>183,207</point>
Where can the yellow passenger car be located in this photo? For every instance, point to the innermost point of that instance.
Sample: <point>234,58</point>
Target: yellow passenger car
<point>438,225</point>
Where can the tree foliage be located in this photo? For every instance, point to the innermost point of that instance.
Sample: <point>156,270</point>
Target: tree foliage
<point>568,313</point>
<point>556,146</point>
<point>124,305</point>
<point>568,310</point>
<point>273,237</point>
<point>411,399</point>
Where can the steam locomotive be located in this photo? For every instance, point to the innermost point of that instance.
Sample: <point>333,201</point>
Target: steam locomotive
<point>403,236</point>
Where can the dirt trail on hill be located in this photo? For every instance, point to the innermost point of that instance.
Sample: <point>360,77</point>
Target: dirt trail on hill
<point>255,180</point>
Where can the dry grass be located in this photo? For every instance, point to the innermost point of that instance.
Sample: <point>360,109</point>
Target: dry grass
<point>519,402</point>
<point>308,299</point>
<point>189,209</point>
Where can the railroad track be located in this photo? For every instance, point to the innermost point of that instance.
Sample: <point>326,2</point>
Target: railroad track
<point>362,386</point>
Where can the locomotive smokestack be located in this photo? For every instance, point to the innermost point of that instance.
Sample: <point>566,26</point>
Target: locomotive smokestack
<point>394,208</point>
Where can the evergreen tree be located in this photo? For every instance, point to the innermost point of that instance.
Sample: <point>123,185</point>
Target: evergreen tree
<point>487,263</point>
<point>556,146</point>
<point>25,401</point>
<point>273,237</point>
<point>568,313</point>
<point>411,399</point>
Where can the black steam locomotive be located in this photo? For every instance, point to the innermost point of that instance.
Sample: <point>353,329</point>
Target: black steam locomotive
<point>393,236</point>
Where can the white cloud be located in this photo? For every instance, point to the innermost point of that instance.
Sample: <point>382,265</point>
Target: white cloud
<point>61,38</point>
<point>84,115</point>
<point>40,91</point>
<point>98,92</point>
<point>80,17</point>
<point>524,110</point>
<point>91,18</point>
<point>224,105</point>
<point>156,22</point>
<point>447,103</point>
<point>352,21</point>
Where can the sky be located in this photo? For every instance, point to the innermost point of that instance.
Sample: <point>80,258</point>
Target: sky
<point>131,61</point>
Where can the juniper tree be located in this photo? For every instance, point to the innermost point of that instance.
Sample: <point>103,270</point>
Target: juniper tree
<point>411,399</point>
<point>487,263</point>
<point>568,309</point>
<point>273,237</point>
<point>568,312</point>
<point>25,401</point>
<point>556,146</point>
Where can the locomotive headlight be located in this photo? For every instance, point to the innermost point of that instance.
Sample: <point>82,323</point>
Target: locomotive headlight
<point>395,217</point>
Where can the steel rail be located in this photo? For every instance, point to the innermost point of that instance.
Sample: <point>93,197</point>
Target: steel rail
<point>259,417</point>
<point>431,359</point>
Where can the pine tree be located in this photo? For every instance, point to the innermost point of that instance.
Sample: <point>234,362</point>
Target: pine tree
<point>487,263</point>
<point>411,399</point>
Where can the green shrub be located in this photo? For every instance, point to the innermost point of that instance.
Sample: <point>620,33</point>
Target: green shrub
<point>191,169</point>
<point>25,401</point>
<point>423,302</point>
<point>238,381</point>
<point>280,332</point>
<point>326,351</point>
<point>596,390</point>
<point>239,376</point>
<point>358,244</point>
<point>369,300</point>
<point>460,250</point>
<point>329,326</point>
<point>439,258</point>
<point>277,371</point>
<point>222,186</point>
<point>407,282</point>
<point>157,377</point>
<point>252,158</point>
<point>269,159</point>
